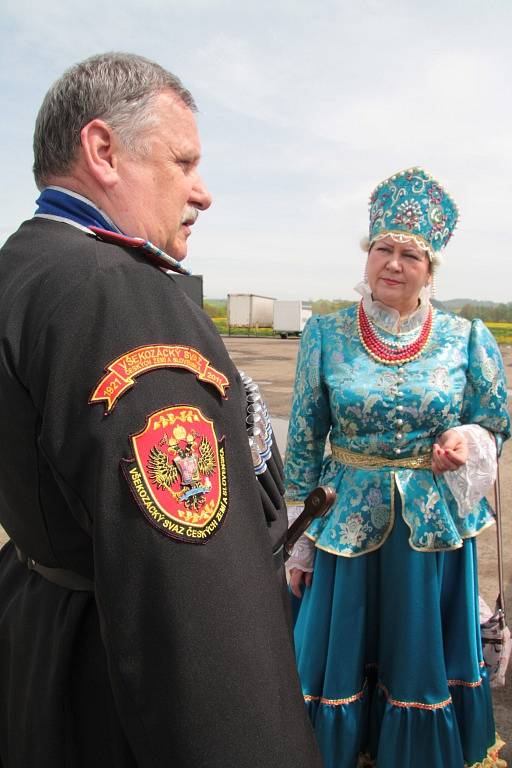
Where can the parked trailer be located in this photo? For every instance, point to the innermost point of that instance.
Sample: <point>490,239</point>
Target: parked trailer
<point>247,310</point>
<point>290,317</point>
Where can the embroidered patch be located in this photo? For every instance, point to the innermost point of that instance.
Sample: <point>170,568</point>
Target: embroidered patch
<point>178,474</point>
<point>123,370</point>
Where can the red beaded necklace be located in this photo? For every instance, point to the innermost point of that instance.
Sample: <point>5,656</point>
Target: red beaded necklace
<point>386,353</point>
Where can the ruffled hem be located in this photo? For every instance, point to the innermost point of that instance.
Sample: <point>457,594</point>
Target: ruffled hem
<point>370,728</point>
<point>492,759</point>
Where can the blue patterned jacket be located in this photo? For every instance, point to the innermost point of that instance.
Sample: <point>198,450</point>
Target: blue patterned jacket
<point>388,411</point>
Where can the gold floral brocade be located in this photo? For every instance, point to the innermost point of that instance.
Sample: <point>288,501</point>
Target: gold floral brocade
<point>365,461</point>
<point>382,421</point>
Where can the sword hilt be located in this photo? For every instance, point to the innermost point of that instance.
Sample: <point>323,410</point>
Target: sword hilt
<point>317,504</point>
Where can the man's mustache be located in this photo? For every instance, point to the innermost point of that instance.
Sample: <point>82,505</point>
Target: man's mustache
<point>189,215</point>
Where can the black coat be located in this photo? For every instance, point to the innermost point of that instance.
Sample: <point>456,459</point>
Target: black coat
<point>182,656</point>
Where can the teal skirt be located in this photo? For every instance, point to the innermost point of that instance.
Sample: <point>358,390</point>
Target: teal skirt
<point>390,659</point>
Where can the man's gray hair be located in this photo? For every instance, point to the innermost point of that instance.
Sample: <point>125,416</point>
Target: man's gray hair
<point>119,88</point>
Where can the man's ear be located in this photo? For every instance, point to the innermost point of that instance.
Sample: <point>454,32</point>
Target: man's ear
<point>100,148</point>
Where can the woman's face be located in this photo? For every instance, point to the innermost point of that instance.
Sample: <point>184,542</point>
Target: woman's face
<point>396,274</point>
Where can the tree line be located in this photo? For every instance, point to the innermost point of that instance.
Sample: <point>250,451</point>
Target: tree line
<point>489,313</point>
<point>319,307</point>
<point>493,313</point>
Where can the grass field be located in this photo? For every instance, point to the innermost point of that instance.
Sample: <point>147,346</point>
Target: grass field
<point>221,323</point>
<point>501,331</point>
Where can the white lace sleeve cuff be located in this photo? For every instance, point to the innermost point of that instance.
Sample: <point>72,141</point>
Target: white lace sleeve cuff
<point>471,482</point>
<point>303,555</point>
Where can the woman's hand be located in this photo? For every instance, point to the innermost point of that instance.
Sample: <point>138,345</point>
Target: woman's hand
<point>297,577</point>
<point>449,452</point>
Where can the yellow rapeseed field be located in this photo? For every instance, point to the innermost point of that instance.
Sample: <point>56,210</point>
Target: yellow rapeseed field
<point>501,331</point>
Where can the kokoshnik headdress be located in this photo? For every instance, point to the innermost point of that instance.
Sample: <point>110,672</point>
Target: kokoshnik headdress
<point>411,205</point>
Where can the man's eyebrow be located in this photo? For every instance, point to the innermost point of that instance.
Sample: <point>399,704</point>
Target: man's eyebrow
<point>189,155</point>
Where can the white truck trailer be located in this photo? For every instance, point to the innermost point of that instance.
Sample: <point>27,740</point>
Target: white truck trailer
<point>246,310</point>
<point>290,317</point>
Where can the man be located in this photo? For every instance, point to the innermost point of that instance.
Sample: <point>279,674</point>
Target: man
<point>141,621</point>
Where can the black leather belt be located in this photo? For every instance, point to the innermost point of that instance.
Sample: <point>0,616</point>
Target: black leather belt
<point>59,576</point>
<point>318,503</point>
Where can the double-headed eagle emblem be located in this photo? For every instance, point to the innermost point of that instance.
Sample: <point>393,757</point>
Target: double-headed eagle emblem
<point>192,461</point>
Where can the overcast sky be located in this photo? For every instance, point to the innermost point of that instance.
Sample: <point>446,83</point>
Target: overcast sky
<point>305,105</point>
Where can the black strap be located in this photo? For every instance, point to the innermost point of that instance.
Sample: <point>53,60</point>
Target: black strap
<point>278,556</point>
<point>500,602</point>
<point>59,576</point>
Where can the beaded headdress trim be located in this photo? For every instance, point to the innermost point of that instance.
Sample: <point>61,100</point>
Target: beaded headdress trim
<point>419,207</point>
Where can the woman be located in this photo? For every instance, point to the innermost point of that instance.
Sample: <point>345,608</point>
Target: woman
<point>413,401</point>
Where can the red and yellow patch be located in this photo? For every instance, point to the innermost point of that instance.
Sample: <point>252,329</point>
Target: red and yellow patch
<point>123,370</point>
<point>178,474</point>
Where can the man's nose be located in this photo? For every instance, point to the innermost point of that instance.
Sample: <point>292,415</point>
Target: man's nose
<point>200,197</point>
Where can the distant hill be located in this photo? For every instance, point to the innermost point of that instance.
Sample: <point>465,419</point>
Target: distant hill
<point>453,304</point>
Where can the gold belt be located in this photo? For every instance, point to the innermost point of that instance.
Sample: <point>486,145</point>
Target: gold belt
<point>353,459</point>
